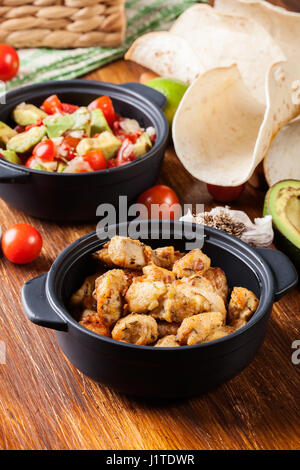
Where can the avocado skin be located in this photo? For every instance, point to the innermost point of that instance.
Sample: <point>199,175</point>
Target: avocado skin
<point>280,240</point>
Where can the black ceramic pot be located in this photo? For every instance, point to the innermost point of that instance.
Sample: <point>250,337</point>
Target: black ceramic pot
<point>75,197</point>
<point>160,372</point>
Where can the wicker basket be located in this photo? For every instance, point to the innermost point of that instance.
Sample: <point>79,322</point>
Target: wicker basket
<point>62,23</point>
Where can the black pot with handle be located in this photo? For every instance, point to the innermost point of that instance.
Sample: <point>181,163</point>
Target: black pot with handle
<point>152,371</point>
<point>68,197</point>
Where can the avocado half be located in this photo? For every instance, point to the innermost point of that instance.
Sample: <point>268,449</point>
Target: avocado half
<point>282,202</point>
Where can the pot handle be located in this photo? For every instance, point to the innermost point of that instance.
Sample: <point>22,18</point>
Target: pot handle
<point>152,95</point>
<point>285,273</point>
<point>12,175</point>
<point>36,305</point>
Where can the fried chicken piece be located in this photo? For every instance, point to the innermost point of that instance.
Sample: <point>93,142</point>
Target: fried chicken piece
<point>83,297</point>
<point>163,257</point>
<point>168,341</point>
<point>206,288</point>
<point>167,329</point>
<point>136,329</point>
<point>180,302</point>
<point>109,288</point>
<point>127,253</point>
<point>242,305</point>
<point>198,328</point>
<point>91,321</point>
<point>103,256</point>
<point>218,279</point>
<point>193,262</point>
<point>220,333</point>
<point>237,324</point>
<point>144,295</point>
<point>155,273</point>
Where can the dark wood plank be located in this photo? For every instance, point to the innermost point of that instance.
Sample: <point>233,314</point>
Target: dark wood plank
<point>45,403</point>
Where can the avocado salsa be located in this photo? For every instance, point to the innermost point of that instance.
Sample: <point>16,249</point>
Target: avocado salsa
<point>65,138</point>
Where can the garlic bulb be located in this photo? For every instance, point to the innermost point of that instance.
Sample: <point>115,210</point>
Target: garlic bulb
<point>258,233</point>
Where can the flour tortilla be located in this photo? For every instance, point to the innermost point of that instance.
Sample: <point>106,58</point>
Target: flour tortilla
<point>167,55</point>
<point>282,161</point>
<point>221,132</point>
<point>202,39</point>
<point>221,40</point>
<point>282,25</point>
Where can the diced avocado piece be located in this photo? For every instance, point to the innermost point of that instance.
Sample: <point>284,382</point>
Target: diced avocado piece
<point>27,114</point>
<point>38,166</point>
<point>282,202</point>
<point>98,122</point>
<point>61,167</point>
<point>57,125</point>
<point>23,142</point>
<point>142,145</point>
<point>6,133</point>
<point>106,142</point>
<point>11,156</point>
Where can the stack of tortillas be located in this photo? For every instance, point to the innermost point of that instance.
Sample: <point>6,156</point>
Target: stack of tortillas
<point>242,59</point>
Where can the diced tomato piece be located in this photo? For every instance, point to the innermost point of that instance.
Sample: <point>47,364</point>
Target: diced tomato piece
<point>69,108</point>
<point>45,150</point>
<point>105,104</point>
<point>38,123</point>
<point>96,160</point>
<point>125,153</point>
<point>52,105</point>
<point>31,162</point>
<point>111,163</point>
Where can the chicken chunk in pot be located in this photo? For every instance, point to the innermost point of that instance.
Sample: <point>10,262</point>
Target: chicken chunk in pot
<point>218,279</point>
<point>136,329</point>
<point>165,328</point>
<point>193,262</point>
<point>109,288</point>
<point>155,273</point>
<point>83,297</point>
<point>144,295</point>
<point>180,302</point>
<point>126,253</point>
<point>242,305</point>
<point>168,341</point>
<point>103,256</point>
<point>205,288</point>
<point>198,328</point>
<point>164,257</point>
<point>91,321</point>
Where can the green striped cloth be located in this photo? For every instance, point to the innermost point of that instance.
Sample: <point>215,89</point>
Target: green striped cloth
<point>38,65</point>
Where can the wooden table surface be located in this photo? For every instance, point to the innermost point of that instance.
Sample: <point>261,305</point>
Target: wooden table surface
<point>45,403</point>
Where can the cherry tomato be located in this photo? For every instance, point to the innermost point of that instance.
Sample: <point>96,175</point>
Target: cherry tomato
<point>45,150</point>
<point>125,153</point>
<point>9,62</point>
<point>96,159</point>
<point>161,195</point>
<point>31,162</point>
<point>52,105</point>
<point>105,104</point>
<point>225,193</point>
<point>21,243</point>
<point>69,108</point>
